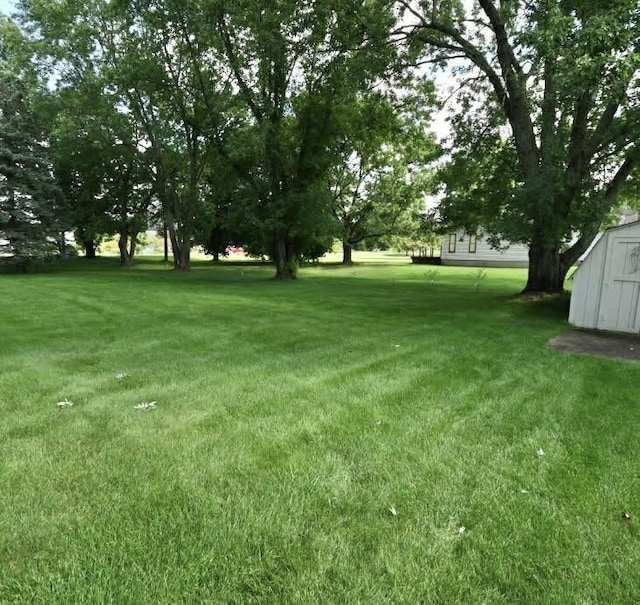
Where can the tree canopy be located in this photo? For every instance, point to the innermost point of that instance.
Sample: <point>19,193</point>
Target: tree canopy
<point>30,220</point>
<point>379,187</point>
<point>282,125</point>
<point>546,135</point>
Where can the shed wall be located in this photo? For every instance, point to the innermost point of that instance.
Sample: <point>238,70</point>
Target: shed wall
<point>587,287</point>
<point>606,287</point>
<point>621,287</point>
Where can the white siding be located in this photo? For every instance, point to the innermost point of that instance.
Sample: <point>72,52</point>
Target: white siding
<point>606,287</point>
<point>516,255</point>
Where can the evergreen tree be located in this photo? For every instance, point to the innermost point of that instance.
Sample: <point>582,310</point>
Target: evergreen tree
<point>29,230</point>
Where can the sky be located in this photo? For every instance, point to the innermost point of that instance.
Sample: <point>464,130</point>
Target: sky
<point>6,6</point>
<point>440,127</point>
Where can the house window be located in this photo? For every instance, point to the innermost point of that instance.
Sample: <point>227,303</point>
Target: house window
<point>473,243</point>
<point>452,243</point>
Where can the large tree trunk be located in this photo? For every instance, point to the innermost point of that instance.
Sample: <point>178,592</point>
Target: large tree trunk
<point>180,226</point>
<point>347,249</point>
<point>165,237</point>
<point>182,258</point>
<point>285,260</point>
<point>123,246</point>
<point>215,243</point>
<point>133,246</point>
<point>89,249</point>
<point>181,247</point>
<point>547,272</point>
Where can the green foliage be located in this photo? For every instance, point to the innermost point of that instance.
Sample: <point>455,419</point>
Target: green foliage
<point>298,69</point>
<point>424,240</point>
<point>563,78</point>
<point>381,183</point>
<point>241,105</point>
<point>30,224</point>
<point>100,164</point>
<point>481,184</point>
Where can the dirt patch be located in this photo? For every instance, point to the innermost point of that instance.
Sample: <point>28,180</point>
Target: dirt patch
<point>601,344</point>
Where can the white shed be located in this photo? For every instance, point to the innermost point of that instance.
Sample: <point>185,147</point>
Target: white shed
<point>606,285</point>
<point>460,248</point>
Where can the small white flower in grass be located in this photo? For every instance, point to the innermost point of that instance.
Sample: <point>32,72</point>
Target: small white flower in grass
<point>393,511</point>
<point>145,406</point>
<point>540,452</point>
<point>122,376</point>
<point>524,491</point>
<point>397,346</point>
<point>65,404</point>
<point>462,529</point>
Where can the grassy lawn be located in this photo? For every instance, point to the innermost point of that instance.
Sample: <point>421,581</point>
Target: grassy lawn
<point>292,421</point>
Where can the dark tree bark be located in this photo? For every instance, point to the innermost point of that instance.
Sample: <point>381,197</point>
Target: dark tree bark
<point>182,259</point>
<point>547,271</point>
<point>165,237</point>
<point>286,260</point>
<point>181,247</point>
<point>123,245</point>
<point>347,250</point>
<point>133,246</point>
<point>89,249</point>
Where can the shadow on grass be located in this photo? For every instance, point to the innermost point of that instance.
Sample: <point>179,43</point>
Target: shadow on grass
<point>112,263</point>
<point>550,306</point>
<point>337,265</point>
<point>400,294</point>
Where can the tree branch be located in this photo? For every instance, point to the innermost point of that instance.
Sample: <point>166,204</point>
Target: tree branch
<point>508,60</point>
<point>572,254</point>
<point>631,162</point>
<point>235,66</point>
<point>577,160</point>
<point>519,113</point>
<point>599,134</point>
<point>549,106</point>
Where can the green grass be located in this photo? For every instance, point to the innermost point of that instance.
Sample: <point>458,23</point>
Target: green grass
<point>290,419</point>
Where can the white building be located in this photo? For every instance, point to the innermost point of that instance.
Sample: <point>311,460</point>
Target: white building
<point>460,248</point>
<point>606,286</point>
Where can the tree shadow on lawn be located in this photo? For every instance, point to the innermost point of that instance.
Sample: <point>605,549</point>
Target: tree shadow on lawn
<point>552,306</point>
<point>338,266</point>
<point>400,297</point>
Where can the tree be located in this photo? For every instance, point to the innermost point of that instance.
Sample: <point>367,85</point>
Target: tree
<point>129,193</point>
<point>380,185</point>
<point>143,56</point>
<point>423,239</point>
<point>101,166</point>
<point>262,85</point>
<point>29,196</point>
<point>563,75</point>
<point>296,66</point>
<point>150,54</point>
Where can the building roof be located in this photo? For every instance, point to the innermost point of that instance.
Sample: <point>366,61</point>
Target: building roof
<point>629,224</point>
<point>598,239</point>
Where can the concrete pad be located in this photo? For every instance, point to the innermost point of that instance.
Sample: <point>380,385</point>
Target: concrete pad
<point>614,345</point>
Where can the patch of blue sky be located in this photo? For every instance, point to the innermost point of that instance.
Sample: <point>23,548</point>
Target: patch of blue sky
<point>7,7</point>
